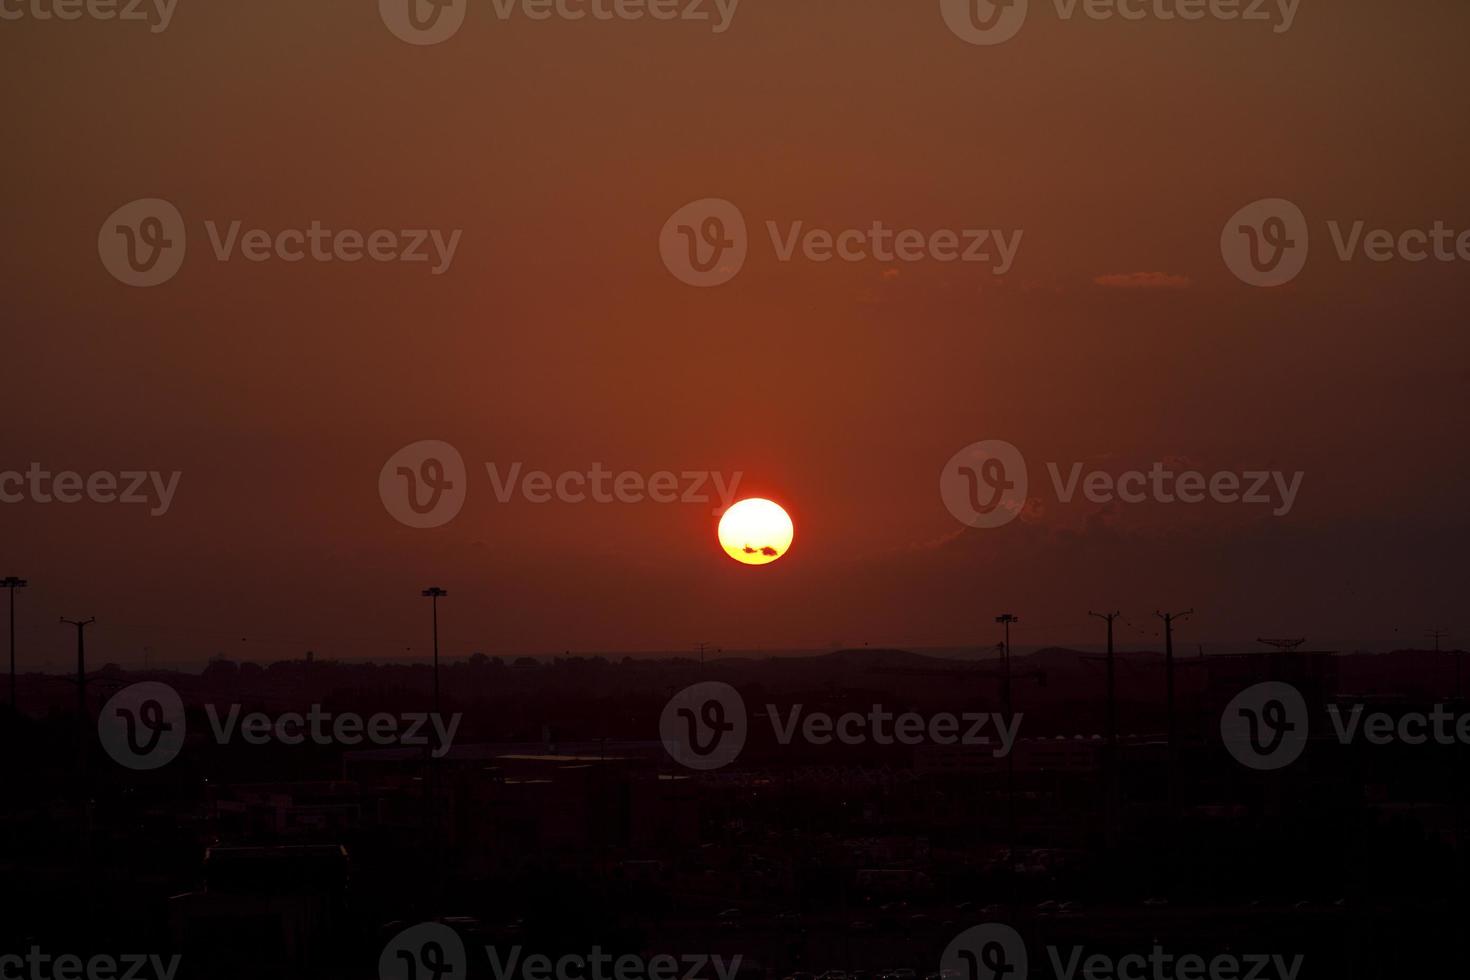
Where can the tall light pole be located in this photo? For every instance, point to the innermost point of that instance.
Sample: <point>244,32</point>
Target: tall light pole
<point>12,583</point>
<point>434,594</point>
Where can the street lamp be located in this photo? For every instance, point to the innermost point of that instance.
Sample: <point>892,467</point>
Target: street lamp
<point>1006,619</point>
<point>434,594</point>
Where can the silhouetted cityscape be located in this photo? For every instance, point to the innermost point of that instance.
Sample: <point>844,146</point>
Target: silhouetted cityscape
<point>559,820</point>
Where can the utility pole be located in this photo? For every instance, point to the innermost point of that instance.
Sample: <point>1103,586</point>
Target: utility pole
<point>434,594</point>
<point>12,583</point>
<point>1006,619</point>
<point>1110,830</point>
<point>702,647</point>
<point>431,782</point>
<point>1171,748</point>
<point>1438,635</point>
<point>1112,729</point>
<point>1168,619</point>
<point>81,625</point>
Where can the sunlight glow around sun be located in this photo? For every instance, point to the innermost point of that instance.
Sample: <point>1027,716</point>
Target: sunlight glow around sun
<point>756,531</point>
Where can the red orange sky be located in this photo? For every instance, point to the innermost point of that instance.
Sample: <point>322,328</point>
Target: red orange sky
<point>558,339</point>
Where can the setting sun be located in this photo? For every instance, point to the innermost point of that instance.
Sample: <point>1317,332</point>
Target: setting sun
<point>756,531</point>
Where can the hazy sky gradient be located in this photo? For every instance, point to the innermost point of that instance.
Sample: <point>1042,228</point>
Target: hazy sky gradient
<point>558,338</point>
